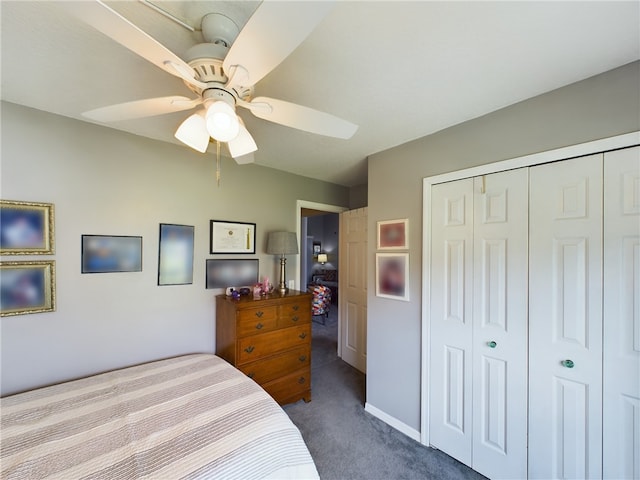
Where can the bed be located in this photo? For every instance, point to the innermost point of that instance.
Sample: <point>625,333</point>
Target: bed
<point>193,416</point>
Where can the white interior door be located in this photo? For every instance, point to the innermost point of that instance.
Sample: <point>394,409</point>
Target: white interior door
<point>500,276</point>
<point>353,288</point>
<point>565,319</point>
<point>451,307</point>
<point>621,392</point>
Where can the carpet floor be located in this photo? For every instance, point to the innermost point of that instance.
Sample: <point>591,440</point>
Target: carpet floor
<point>348,443</point>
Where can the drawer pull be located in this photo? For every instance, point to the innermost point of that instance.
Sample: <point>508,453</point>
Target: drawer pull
<point>302,358</point>
<point>259,313</point>
<point>295,318</point>
<point>251,375</point>
<point>296,308</point>
<point>303,335</point>
<point>301,380</point>
<point>250,349</point>
<point>259,326</point>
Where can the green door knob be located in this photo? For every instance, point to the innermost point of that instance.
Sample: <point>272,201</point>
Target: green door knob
<point>492,344</point>
<point>567,363</point>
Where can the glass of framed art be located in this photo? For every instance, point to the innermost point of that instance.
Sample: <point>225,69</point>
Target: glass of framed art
<point>111,253</point>
<point>392,275</point>
<point>27,287</point>
<point>175,257</point>
<point>232,237</point>
<point>393,234</point>
<point>27,228</point>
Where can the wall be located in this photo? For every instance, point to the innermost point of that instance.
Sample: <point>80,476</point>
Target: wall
<point>599,107</point>
<point>103,181</point>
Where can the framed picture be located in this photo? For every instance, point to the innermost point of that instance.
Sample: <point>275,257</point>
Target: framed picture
<point>175,254</point>
<point>27,287</point>
<point>316,248</point>
<point>27,228</point>
<point>392,275</point>
<point>111,253</point>
<point>231,273</point>
<point>393,234</point>
<point>232,237</point>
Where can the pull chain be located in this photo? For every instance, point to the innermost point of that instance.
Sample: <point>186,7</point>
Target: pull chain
<point>218,162</point>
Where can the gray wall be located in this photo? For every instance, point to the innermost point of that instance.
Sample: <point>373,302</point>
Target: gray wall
<point>602,106</point>
<point>103,181</point>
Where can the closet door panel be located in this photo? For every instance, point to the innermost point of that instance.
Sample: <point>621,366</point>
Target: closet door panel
<point>565,319</point>
<point>621,400</point>
<point>500,324</point>
<point>451,318</point>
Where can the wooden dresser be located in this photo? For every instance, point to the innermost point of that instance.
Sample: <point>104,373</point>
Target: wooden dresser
<point>269,339</point>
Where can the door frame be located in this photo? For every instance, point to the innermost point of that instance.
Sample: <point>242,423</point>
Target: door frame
<point>324,207</point>
<point>564,153</point>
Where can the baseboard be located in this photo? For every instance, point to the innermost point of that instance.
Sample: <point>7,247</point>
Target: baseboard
<point>393,422</point>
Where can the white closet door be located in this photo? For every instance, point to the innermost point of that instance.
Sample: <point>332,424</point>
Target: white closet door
<point>565,320</point>
<point>451,318</point>
<point>500,276</point>
<point>621,423</point>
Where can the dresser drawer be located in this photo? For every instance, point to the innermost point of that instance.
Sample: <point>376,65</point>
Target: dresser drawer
<point>294,313</point>
<point>258,346</point>
<point>268,369</point>
<point>257,320</point>
<point>296,385</point>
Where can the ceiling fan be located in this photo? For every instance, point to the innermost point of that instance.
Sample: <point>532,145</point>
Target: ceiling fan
<point>221,72</point>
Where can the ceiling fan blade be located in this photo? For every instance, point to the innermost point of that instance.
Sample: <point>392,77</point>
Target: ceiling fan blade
<point>271,34</point>
<point>302,118</point>
<point>141,108</point>
<point>245,159</point>
<point>243,145</point>
<point>112,24</point>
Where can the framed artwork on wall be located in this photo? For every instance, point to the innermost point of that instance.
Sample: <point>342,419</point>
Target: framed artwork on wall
<point>111,253</point>
<point>393,234</point>
<point>175,254</point>
<point>27,287</point>
<point>27,228</point>
<point>231,273</point>
<point>392,275</point>
<point>232,237</point>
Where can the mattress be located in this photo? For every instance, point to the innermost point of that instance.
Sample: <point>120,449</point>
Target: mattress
<point>193,416</point>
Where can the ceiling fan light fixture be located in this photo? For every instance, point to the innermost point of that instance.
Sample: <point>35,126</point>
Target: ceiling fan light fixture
<point>243,144</point>
<point>193,132</point>
<point>222,121</point>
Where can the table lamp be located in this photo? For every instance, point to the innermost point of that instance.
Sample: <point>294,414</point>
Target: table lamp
<point>282,243</point>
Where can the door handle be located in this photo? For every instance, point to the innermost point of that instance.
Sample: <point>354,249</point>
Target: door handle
<point>567,363</point>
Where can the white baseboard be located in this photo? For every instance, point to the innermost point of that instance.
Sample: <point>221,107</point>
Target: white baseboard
<point>393,422</point>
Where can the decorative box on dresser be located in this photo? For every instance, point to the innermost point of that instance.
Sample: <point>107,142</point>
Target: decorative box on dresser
<point>269,339</point>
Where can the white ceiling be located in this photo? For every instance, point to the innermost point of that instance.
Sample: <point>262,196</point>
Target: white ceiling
<point>400,70</point>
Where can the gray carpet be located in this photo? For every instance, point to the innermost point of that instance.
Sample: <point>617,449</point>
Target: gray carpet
<point>348,443</point>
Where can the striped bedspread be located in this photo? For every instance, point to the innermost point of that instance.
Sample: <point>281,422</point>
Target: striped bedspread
<point>193,416</point>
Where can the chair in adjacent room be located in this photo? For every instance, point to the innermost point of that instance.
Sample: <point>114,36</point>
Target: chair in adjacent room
<point>321,301</point>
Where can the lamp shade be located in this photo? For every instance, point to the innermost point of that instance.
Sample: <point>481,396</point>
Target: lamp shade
<point>222,122</point>
<point>282,243</point>
<point>322,258</point>
<point>193,132</point>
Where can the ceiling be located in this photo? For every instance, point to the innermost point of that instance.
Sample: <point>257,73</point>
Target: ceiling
<point>399,70</point>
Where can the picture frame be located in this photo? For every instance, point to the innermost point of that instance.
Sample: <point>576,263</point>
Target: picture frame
<point>232,237</point>
<point>392,276</point>
<point>27,228</point>
<point>27,287</point>
<point>393,234</point>
<point>175,254</point>
<point>111,254</point>
<point>223,273</point>
<point>316,248</point>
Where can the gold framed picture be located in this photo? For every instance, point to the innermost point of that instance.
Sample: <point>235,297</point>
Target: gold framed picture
<point>27,228</point>
<point>27,287</point>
